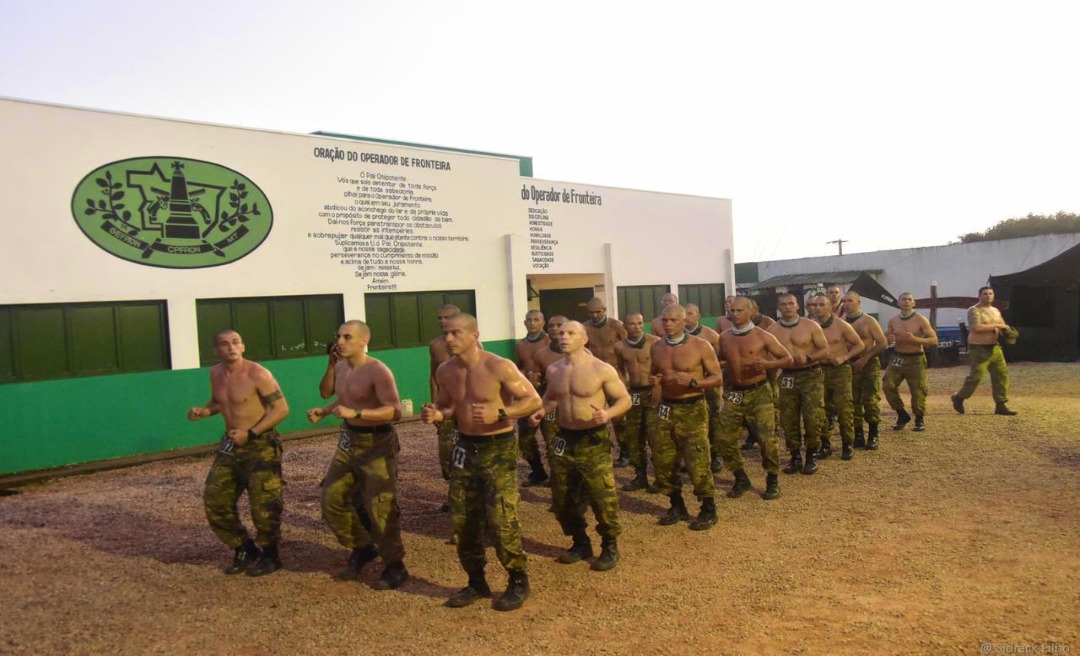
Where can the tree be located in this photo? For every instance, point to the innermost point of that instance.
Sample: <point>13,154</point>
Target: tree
<point>1030,225</point>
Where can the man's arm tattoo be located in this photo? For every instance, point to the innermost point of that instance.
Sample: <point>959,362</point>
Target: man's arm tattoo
<point>269,399</point>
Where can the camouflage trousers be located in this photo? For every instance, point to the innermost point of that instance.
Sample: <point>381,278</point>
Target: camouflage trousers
<point>445,436</point>
<point>255,467</point>
<point>866,393</point>
<point>683,432</point>
<point>484,493</point>
<point>712,399</point>
<point>983,358</point>
<point>640,427</point>
<point>750,405</point>
<point>529,446</point>
<point>910,367</point>
<point>802,398</point>
<point>364,472</point>
<point>838,400</point>
<point>581,474</point>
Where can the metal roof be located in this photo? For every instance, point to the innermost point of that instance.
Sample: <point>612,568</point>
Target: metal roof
<point>823,278</point>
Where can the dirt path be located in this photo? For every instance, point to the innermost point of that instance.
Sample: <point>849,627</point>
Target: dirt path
<point>941,542</point>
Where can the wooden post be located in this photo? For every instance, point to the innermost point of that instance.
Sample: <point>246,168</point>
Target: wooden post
<point>933,310</point>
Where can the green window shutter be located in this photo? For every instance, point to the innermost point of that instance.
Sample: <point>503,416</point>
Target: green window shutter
<point>92,332</point>
<point>430,303</point>
<point>289,328</point>
<point>212,315</point>
<point>380,320</point>
<point>251,318</point>
<point>143,337</point>
<point>325,314</point>
<point>43,346</point>
<point>405,310</point>
<point>7,346</point>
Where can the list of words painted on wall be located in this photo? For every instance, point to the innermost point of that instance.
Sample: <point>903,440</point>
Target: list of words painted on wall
<point>384,226</point>
<point>541,244</point>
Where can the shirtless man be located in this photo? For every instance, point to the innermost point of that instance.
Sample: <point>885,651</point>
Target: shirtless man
<point>724,322</point>
<point>604,333</point>
<point>544,358</point>
<point>986,325</point>
<point>364,467</point>
<point>667,300</point>
<point>712,395</point>
<point>802,386</point>
<point>437,354</point>
<point>483,394</point>
<point>912,333</point>
<point>248,456</point>
<point>635,361</point>
<point>683,366</point>
<point>836,301</point>
<point>535,340</point>
<point>866,371</point>
<point>844,346</point>
<point>748,352</point>
<point>585,393</point>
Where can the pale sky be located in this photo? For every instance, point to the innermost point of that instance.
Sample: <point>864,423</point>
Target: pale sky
<point>885,124</point>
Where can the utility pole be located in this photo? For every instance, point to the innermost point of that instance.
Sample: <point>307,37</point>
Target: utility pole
<point>839,244</point>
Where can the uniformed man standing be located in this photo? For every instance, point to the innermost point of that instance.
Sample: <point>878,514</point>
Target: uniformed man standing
<point>635,361</point>
<point>248,456</point>
<point>535,341</point>
<point>866,371</point>
<point>604,333</point>
<point>483,394</point>
<point>986,325</point>
<point>844,346</point>
<point>364,467</point>
<point>444,431</point>
<point>912,333</point>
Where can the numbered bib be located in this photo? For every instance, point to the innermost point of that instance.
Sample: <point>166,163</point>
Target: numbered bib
<point>459,457</point>
<point>787,382</point>
<point>227,446</point>
<point>735,397</point>
<point>635,398</point>
<point>550,416</point>
<point>663,411</point>
<point>560,446</point>
<point>898,362</point>
<point>453,436</point>
<point>344,441</point>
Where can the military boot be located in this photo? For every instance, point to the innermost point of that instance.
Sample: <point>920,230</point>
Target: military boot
<point>902,419</point>
<point>795,465</point>
<point>846,452</point>
<point>860,438</point>
<point>244,557</point>
<point>707,517</point>
<point>772,487</point>
<point>517,591</point>
<point>825,450</point>
<point>741,486</point>
<point>393,576</point>
<point>624,456</point>
<point>537,476</point>
<point>268,562</point>
<point>919,425</point>
<point>476,590</point>
<point>640,481</point>
<point>677,513</point>
<point>810,466</point>
<point>716,464</point>
<point>957,403</point>
<point>359,557</point>
<point>872,438</point>
<point>609,555</point>
<point>751,439</point>
<point>581,549</point>
<point>1002,409</point>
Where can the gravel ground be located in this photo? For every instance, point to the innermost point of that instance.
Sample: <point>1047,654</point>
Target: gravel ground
<point>962,539</point>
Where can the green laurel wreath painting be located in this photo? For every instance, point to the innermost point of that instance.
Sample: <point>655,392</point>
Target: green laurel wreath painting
<point>172,212</point>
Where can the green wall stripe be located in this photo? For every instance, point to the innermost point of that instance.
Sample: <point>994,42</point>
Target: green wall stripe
<point>64,422</point>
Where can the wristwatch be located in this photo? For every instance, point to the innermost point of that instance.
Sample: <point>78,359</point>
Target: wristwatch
<point>502,414</point>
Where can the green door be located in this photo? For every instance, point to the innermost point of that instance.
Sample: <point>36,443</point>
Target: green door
<point>571,303</point>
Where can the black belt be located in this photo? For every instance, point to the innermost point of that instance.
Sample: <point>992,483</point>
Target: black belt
<point>745,388</point>
<point>845,363</point>
<point>575,434</point>
<point>368,430</point>
<point>910,355</point>
<point>641,388</point>
<point>802,369</point>
<point>686,400</point>
<point>484,439</point>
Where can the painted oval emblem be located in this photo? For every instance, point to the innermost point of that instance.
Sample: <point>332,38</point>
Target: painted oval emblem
<point>172,212</point>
